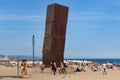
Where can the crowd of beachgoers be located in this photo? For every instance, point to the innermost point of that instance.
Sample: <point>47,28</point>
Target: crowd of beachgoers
<point>66,67</point>
<point>69,70</point>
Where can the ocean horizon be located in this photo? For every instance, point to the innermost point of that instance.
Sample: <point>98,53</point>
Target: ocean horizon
<point>97,60</point>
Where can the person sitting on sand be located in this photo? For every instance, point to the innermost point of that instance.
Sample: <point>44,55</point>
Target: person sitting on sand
<point>42,68</point>
<point>83,67</point>
<point>94,68</point>
<point>77,69</point>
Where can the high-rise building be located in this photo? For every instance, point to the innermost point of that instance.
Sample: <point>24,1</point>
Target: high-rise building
<point>55,32</point>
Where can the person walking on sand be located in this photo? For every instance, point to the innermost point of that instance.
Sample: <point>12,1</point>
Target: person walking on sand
<point>63,68</point>
<point>104,69</point>
<point>54,68</point>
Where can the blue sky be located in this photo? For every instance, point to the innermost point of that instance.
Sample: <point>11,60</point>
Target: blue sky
<point>92,31</point>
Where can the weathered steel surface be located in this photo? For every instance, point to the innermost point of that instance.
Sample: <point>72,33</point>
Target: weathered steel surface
<point>55,32</point>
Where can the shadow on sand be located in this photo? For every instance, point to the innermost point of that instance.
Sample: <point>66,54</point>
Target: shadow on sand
<point>11,77</point>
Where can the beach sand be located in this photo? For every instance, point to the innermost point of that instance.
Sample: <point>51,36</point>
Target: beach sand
<point>10,73</point>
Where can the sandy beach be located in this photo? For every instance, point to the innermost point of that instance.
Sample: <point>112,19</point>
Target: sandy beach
<point>10,73</point>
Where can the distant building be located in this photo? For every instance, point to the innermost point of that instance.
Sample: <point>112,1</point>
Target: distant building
<point>4,61</point>
<point>55,32</point>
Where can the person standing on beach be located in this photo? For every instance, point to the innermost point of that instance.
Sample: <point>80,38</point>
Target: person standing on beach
<point>25,67</point>
<point>104,69</point>
<point>22,68</point>
<point>54,68</point>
